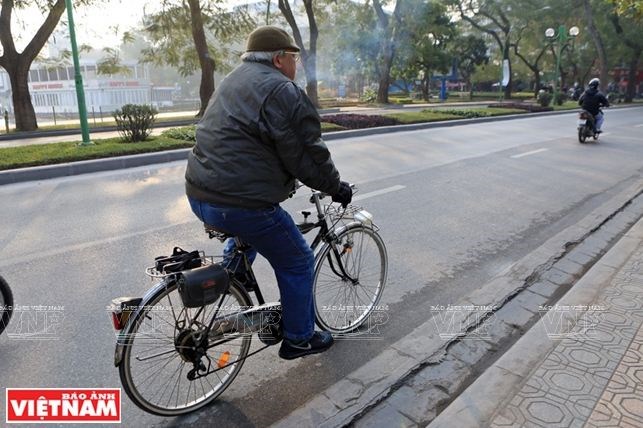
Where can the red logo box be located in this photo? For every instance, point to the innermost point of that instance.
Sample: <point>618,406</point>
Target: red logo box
<point>55,405</point>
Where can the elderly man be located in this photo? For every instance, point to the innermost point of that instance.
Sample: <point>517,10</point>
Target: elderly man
<point>258,135</point>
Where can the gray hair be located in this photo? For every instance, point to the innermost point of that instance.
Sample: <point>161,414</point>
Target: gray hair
<point>257,56</point>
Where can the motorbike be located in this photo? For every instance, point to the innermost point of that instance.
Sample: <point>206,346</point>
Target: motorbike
<point>6,304</point>
<point>586,126</point>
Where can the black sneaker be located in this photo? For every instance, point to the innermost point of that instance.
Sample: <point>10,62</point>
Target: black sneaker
<point>321,341</point>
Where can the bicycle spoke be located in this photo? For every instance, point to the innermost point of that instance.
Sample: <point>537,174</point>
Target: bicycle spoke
<point>348,303</point>
<point>154,370</point>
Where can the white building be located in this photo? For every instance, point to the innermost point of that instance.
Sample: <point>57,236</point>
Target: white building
<point>53,89</point>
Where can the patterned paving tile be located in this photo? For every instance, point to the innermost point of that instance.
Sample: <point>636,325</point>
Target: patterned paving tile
<point>594,376</point>
<point>621,404</point>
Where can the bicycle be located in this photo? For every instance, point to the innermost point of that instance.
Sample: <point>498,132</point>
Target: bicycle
<point>6,304</point>
<point>207,339</point>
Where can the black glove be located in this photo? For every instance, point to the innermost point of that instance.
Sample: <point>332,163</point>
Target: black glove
<point>344,195</point>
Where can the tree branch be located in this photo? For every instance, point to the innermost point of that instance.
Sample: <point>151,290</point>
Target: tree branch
<point>284,7</point>
<point>43,33</point>
<point>6,39</point>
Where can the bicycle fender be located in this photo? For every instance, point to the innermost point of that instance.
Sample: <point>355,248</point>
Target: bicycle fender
<point>123,338</point>
<point>338,231</point>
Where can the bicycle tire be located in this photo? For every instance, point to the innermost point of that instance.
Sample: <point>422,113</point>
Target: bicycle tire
<point>342,306</point>
<point>6,304</point>
<point>171,369</point>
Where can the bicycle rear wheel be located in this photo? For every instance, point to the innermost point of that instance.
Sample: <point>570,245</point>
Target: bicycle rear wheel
<point>159,354</point>
<point>345,298</point>
<point>6,304</point>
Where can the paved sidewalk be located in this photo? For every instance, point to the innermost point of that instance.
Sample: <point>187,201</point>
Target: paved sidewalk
<point>581,365</point>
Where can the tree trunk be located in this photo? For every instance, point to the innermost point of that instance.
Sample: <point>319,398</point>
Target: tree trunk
<point>631,76</point>
<point>384,79</point>
<point>598,42</point>
<point>308,56</point>
<point>310,68</point>
<point>537,83</point>
<point>387,46</point>
<point>22,107</point>
<point>636,48</point>
<point>17,65</point>
<point>425,86</point>
<point>208,66</point>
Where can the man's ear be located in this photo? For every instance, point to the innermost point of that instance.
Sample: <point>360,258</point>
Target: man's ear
<point>277,61</point>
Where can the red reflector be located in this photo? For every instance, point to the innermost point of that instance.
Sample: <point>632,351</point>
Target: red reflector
<point>116,320</point>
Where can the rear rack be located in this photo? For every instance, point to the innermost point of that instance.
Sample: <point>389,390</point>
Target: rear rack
<point>154,274</point>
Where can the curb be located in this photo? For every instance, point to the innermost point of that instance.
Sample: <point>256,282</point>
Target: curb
<point>341,403</point>
<point>13,176</point>
<point>499,380</point>
<point>84,167</point>
<point>76,131</point>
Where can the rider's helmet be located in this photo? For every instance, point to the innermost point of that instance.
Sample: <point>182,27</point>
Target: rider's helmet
<point>594,83</point>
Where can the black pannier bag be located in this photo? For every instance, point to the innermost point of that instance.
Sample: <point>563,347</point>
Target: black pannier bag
<point>203,285</point>
<point>179,260</point>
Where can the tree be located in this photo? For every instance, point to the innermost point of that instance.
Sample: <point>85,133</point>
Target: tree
<point>308,55</point>
<point>192,36</point>
<point>630,33</point>
<point>423,43</point>
<point>17,64</point>
<point>598,41</point>
<point>470,52</point>
<point>387,31</point>
<point>490,17</point>
<point>632,9</point>
<point>347,44</point>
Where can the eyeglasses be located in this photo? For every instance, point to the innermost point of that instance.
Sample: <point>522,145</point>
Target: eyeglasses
<point>295,55</point>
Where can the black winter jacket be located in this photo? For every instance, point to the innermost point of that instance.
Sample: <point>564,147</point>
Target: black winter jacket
<point>592,100</point>
<point>259,133</point>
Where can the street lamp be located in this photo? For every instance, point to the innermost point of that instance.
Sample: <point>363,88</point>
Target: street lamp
<point>561,37</point>
<point>80,93</point>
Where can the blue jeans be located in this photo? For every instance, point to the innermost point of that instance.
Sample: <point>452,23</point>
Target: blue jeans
<point>273,233</point>
<point>599,120</point>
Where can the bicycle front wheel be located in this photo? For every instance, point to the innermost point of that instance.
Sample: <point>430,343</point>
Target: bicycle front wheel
<point>6,304</point>
<point>160,353</point>
<point>350,275</point>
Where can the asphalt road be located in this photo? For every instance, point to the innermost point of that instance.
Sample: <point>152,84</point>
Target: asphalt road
<point>455,205</point>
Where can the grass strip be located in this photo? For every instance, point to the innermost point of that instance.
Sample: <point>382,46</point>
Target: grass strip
<point>55,153</point>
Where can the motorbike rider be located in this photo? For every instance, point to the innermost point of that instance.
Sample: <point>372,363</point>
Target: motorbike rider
<point>592,100</point>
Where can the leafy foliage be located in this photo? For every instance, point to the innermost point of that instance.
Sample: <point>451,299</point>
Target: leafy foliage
<point>369,96</point>
<point>171,39</point>
<point>544,98</point>
<point>524,106</point>
<point>356,121</point>
<point>467,114</point>
<point>185,133</point>
<point>134,121</point>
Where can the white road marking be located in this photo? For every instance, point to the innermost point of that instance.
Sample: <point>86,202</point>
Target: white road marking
<point>379,192</point>
<point>639,126</point>
<point>533,152</point>
<point>367,195</point>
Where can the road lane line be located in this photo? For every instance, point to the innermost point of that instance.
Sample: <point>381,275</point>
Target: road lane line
<point>533,152</point>
<point>379,192</point>
<point>639,126</point>
<point>368,195</point>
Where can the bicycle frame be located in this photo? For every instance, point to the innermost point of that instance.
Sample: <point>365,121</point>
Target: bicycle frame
<point>240,264</point>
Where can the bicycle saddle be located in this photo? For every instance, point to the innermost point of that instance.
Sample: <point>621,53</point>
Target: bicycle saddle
<point>213,232</point>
